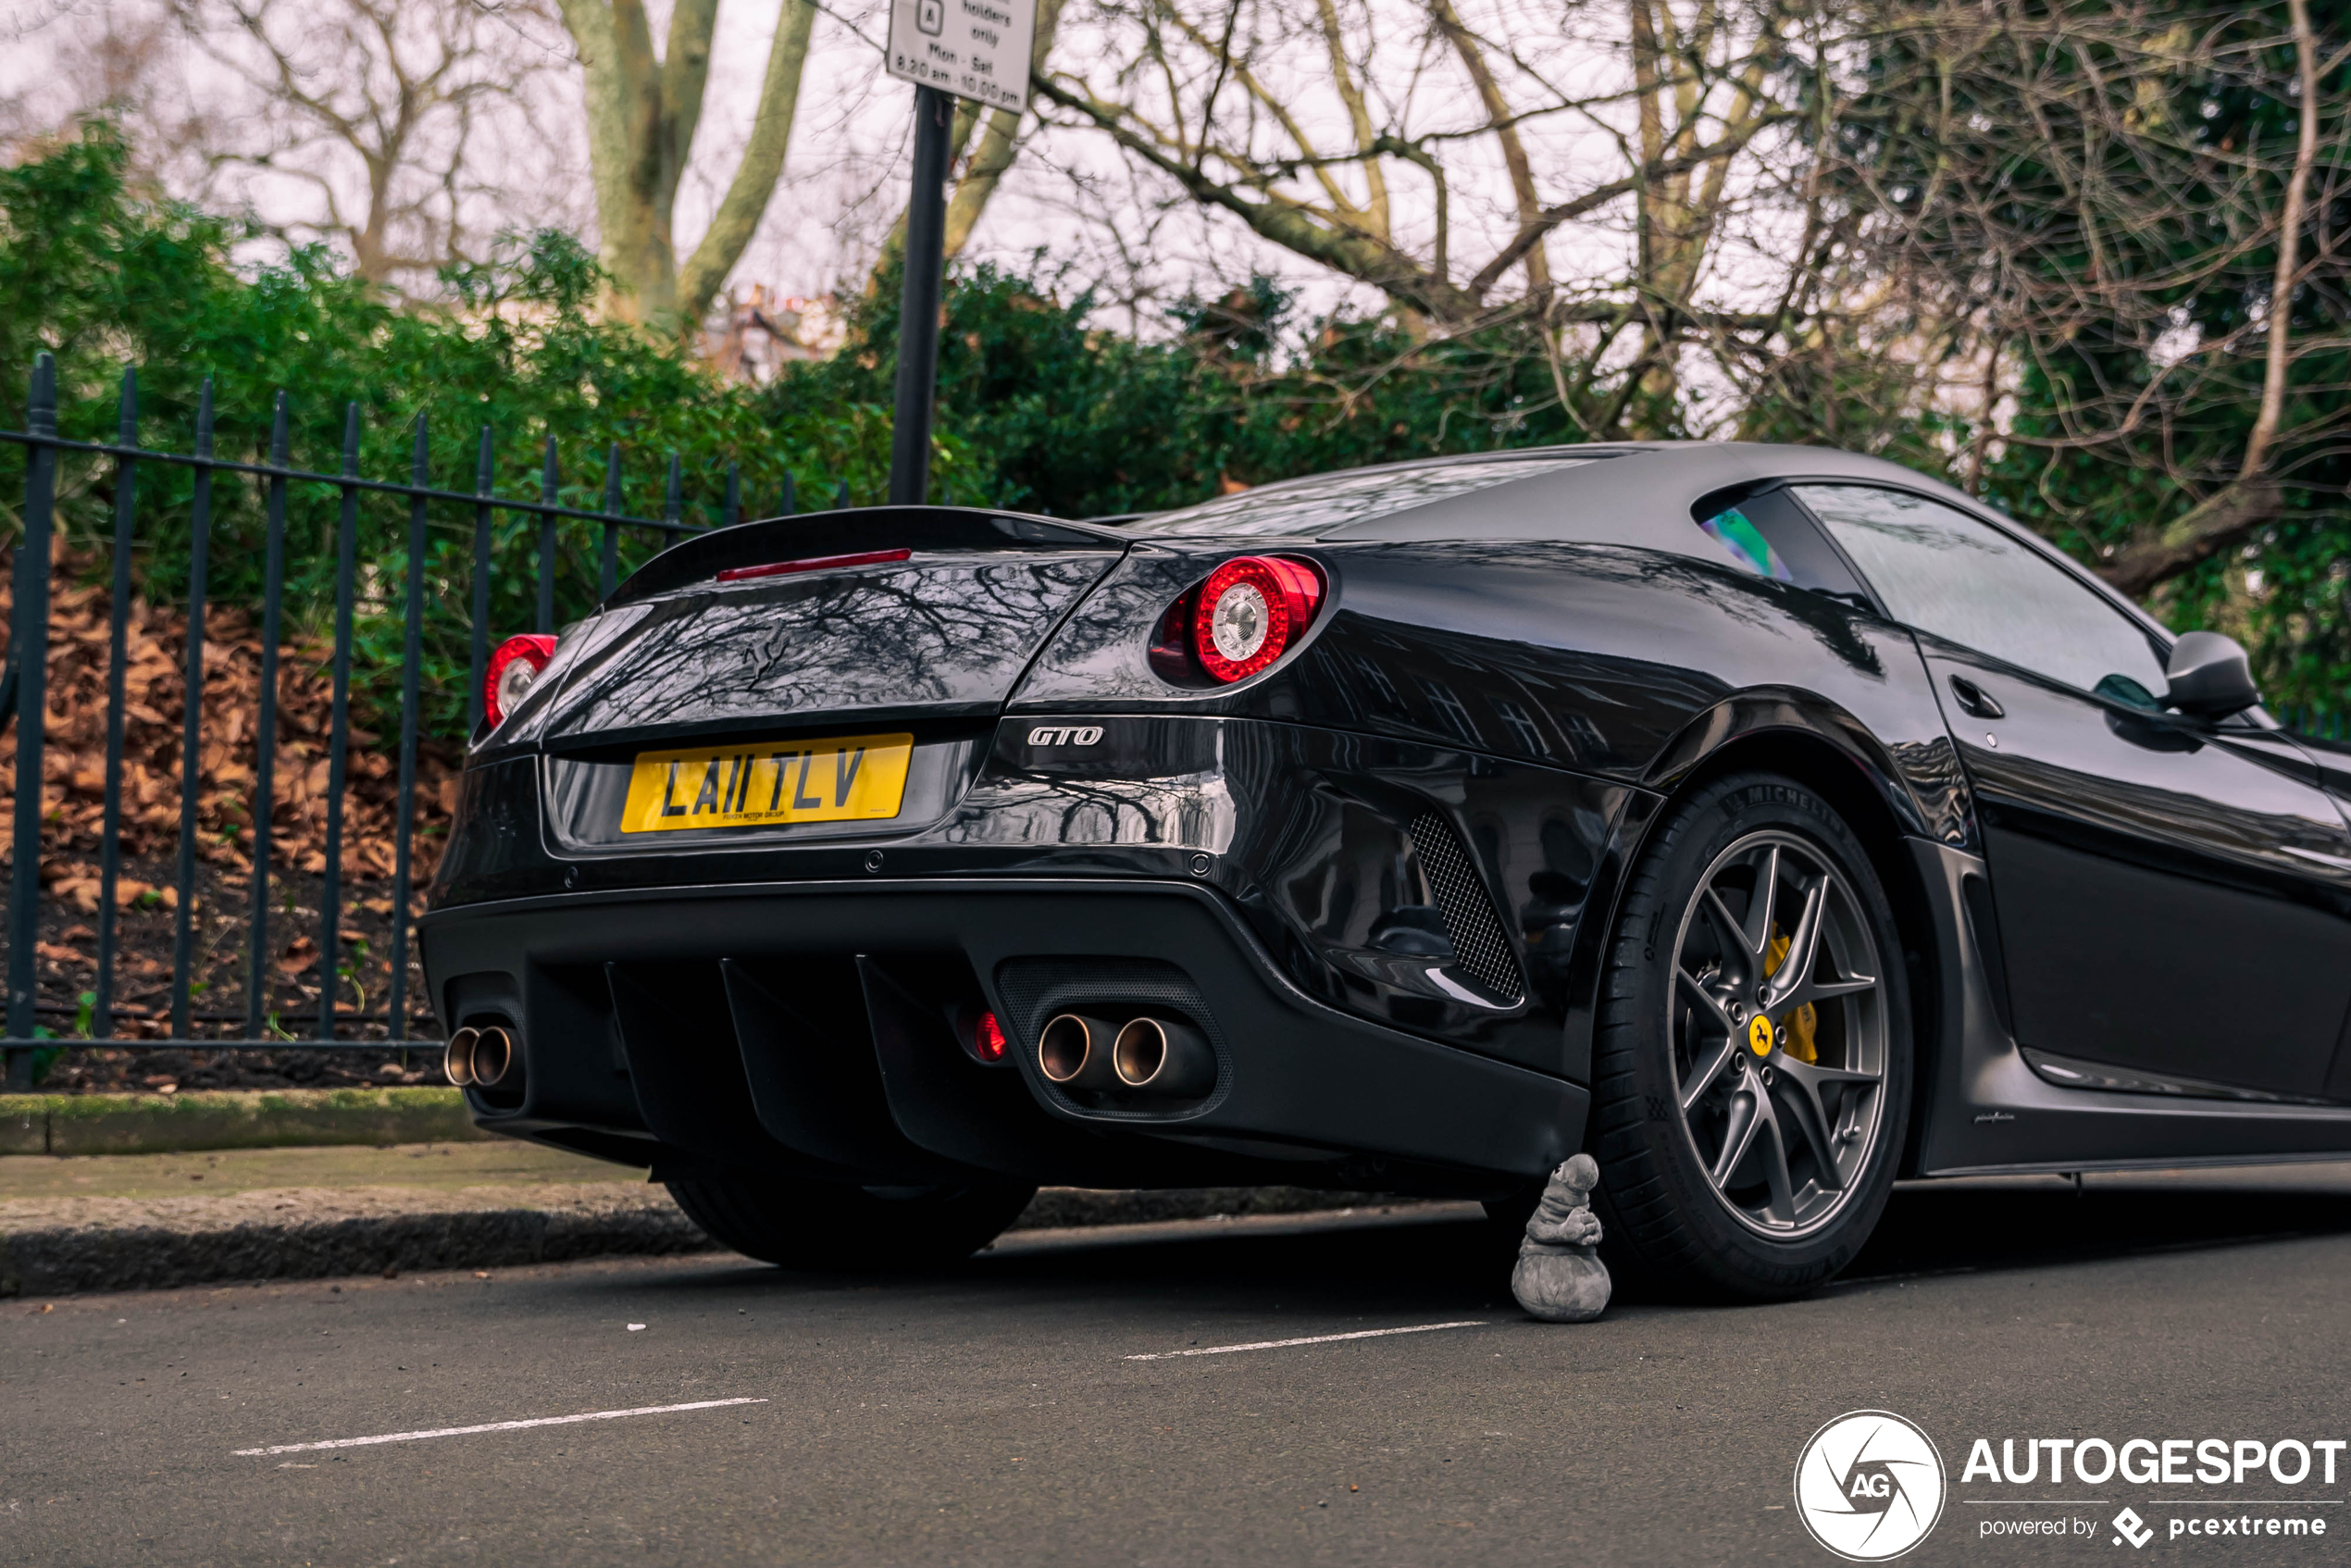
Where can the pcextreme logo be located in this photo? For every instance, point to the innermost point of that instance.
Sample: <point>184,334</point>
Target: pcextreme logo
<point>1868,1486</point>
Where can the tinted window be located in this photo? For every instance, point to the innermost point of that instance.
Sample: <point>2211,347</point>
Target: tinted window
<point>1744,544</point>
<point>1942,571</point>
<point>1769,535</point>
<point>1311,507</point>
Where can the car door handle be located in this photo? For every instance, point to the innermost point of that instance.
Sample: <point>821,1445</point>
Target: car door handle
<point>1975,700</point>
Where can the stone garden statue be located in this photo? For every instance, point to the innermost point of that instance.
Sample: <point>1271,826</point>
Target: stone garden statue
<point>1560,1277</point>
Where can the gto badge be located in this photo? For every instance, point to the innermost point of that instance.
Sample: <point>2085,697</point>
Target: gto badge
<point>1065,735</point>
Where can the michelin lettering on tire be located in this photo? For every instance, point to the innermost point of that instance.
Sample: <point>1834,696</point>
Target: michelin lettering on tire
<point>1870,1486</point>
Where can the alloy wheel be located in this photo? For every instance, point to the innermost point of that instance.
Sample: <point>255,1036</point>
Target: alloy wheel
<point>1778,1033</point>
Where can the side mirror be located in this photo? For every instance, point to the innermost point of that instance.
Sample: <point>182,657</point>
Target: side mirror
<point>2209,676</point>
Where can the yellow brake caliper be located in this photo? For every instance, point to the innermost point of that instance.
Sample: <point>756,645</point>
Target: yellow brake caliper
<point>1801,1022</point>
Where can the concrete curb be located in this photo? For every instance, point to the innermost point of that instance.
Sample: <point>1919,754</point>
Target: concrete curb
<point>163,1123</point>
<point>59,1259</point>
<point>68,1260</point>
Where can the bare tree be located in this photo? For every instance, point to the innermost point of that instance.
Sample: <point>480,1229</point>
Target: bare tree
<point>379,109</point>
<point>2136,210</point>
<point>1676,68</point>
<point>642,111</point>
<point>111,64</point>
<point>1366,147</point>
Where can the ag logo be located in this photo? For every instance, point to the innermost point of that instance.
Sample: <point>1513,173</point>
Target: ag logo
<point>1868,1486</point>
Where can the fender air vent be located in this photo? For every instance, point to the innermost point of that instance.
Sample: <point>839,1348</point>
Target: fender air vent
<point>1482,948</point>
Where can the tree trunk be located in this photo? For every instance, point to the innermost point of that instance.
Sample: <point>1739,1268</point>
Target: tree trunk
<point>642,113</point>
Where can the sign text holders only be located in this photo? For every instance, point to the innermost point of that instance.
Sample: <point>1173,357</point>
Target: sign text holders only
<point>975,49</point>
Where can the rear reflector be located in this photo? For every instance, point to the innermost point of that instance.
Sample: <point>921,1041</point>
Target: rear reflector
<point>988,1038</point>
<point>814,564</point>
<point>983,1037</point>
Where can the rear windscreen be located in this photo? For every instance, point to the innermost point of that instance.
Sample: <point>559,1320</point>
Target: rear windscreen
<point>1312,508</point>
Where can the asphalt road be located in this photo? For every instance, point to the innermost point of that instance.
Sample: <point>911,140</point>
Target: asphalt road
<point>992,1414</point>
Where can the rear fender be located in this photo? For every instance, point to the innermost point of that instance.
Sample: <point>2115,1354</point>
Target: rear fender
<point>1917,793</point>
<point>1922,786</point>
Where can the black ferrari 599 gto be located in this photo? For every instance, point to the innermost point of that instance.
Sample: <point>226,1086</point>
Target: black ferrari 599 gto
<point>1770,821</point>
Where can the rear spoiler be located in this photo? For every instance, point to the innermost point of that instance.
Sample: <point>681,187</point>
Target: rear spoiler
<point>703,556</point>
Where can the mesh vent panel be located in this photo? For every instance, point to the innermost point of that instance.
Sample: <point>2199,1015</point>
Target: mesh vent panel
<point>1481,947</point>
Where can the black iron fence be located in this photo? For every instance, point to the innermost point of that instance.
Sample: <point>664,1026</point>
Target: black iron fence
<point>92,1017</point>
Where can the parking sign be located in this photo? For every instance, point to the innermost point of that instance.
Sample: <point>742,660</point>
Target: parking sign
<point>975,49</point>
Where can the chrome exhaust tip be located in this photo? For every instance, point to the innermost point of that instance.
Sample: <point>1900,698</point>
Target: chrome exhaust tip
<point>493,1056</point>
<point>458,1059</point>
<point>1074,1052</point>
<point>1165,1057</point>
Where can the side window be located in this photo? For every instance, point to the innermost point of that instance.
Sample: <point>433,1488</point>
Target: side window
<point>1944,572</point>
<point>1745,544</point>
<point>1769,536</point>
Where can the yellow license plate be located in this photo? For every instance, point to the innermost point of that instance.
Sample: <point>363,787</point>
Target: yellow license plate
<point>836,780</point>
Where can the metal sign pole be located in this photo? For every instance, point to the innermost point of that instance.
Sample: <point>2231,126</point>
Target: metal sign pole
<point>918,306</point>
<point>974,49</point>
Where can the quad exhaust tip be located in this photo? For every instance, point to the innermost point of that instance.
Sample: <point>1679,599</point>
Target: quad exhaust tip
<point>1163,1056</point>
<point>479,1058</point>
<point>1156,1055</point>
<point>1074,1052</point>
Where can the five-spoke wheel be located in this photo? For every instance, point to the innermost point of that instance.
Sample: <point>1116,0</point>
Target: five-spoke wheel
<point>1779,1032</point>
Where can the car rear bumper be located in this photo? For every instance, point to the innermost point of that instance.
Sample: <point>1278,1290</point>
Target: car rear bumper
<point>809,1028</point>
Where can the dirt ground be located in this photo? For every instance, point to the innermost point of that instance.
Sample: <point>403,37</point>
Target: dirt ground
<point>146,934</point>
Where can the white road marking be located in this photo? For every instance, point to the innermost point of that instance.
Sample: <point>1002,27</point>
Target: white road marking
<point>494,1427</point>
<point>1310,1340</point>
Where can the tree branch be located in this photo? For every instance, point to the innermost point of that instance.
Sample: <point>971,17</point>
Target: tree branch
<point>2281,323</point>
<point>1350,251</point>
<point>762,164</point>
<point>996,143</point>
<point>1601,195</point>
<point>1505,128</point>
<point>2253,499</point>
<point>2205,530</point>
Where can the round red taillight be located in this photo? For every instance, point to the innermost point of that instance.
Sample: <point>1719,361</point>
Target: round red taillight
<point>512,669</point>
<point>1249,610</point>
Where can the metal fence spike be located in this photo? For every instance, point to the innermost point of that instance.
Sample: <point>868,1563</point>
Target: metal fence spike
<point>31,632</point>
<point>265,794</point>
<point>608,577</point>
<point>192,743</point>
<point>339,735</point>
<point>117,662</point>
